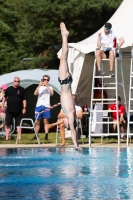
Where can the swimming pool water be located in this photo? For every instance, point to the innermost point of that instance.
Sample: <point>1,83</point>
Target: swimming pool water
<point>66,174</point>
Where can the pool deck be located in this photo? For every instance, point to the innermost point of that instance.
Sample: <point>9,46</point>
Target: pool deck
<point>95,145</point>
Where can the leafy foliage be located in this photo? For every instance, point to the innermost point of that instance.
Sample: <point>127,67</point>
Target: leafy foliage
<point>29,28</point>
<point>8,44</point>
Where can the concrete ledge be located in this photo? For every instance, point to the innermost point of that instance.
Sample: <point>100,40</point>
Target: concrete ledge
<point>93,145</point>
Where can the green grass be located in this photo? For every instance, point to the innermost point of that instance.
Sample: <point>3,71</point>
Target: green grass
<point>27,139</point>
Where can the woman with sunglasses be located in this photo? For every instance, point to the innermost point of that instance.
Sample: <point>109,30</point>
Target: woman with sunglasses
<point>44,91</point>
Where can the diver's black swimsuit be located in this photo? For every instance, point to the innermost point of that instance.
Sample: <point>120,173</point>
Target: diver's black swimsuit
<point>67,80</point>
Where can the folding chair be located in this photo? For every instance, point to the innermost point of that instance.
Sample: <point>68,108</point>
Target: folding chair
<point>2,131</point>
<point>68,132</point>
<point>57,131</point>
<point>28,127</point>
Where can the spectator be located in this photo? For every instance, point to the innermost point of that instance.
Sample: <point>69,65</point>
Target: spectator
<point>62,116</point>
<point>106,48</point>
<point>16,106</point>
<point>63,120</point>
<point>121,113</point>
<point>44,91</point>
<point>2,93</point>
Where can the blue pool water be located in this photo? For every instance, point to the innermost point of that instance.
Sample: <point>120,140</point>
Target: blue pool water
<point>66,174</point>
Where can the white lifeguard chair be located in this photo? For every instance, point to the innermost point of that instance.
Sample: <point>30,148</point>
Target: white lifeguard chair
<point>130,105</point>
<point>112,84</point>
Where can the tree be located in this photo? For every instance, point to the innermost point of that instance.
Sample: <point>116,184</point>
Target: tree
<point>35,28</point>
<point>42,18</point>
<point>8,29</point>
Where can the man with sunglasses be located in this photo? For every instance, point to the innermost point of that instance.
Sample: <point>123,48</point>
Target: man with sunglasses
<point>105,48</point>
<point>16,105</point>
<point>44,91</point>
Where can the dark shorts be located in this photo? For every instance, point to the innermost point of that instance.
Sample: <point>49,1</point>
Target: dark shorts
<point>43,115</point>
<point>107,53</point>
<point>66,81</point>
<point>10,116</point>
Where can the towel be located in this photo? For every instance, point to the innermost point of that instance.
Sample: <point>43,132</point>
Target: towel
<point>97,117</point>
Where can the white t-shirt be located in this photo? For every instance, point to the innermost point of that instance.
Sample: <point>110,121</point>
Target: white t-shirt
<point>107,40</point>
<point>77,108</point>
<point>43,96</point>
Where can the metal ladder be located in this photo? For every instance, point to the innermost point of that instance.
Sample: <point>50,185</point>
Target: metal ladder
<point>130,105</point>
<point>111,86</point>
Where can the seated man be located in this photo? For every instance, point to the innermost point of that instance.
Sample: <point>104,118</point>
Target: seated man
<point>105,47</point>
<point>63,121</point>
<point>121,113</point>
<point>62,116</point>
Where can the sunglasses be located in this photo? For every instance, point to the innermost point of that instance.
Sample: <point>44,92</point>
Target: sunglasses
<point>45,80</point>
<point>108,29</point>
<point>17,81</point>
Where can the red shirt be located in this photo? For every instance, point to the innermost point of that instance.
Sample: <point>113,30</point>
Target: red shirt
<point>121,109</point>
